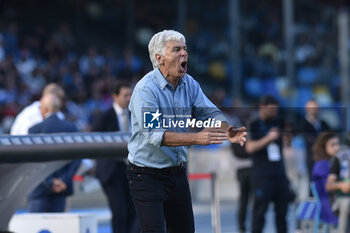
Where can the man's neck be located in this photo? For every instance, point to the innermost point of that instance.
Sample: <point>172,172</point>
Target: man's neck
<point>172,80</point>
<point>47,115</point>
<point>262,116</point>
<point>311,118</point>
<point>118,109</point>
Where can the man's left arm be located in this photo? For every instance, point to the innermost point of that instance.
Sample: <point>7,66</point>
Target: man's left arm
<point>203,108</point>
<point>69,170</point>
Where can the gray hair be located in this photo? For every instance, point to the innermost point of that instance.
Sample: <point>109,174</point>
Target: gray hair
<point>51,103</point>
<point>157,44</point>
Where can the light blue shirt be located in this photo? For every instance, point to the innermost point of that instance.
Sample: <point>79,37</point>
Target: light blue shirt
<point>151,93</point>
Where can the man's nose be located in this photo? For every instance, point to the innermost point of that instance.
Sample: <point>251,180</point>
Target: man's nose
<point>183,52</point>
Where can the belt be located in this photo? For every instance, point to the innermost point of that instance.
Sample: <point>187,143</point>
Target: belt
<point>173,169</point>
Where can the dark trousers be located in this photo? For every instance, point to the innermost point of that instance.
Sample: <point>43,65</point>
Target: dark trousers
<point>52,203</point>
<point>162,199</point>
<point>266,190</point>
<point>123,212</point>
<point>244,177</point>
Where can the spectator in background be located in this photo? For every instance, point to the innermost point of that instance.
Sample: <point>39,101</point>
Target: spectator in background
<point>91,61</point>
<point>311,127</point>
<point>112,172</point>
<point>50,195</point>
<point>129,66</point>
<point>11,39</point>
<point>64,38</point>
<point>26,64</point>
<point>31,114</point>
<point>269,177</point>
<point>326,147</point>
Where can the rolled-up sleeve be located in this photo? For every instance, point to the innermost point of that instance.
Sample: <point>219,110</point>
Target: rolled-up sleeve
<point>203,108</point>
<point>143,99</point>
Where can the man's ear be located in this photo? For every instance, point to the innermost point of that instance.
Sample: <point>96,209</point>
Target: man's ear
<point>160,59</point>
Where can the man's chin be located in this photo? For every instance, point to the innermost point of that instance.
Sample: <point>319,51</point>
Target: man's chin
<point>182,72</point>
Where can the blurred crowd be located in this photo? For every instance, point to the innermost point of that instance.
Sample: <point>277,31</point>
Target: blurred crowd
<point>263,52</point>
<point>29,62</point>
<point>31,57</point>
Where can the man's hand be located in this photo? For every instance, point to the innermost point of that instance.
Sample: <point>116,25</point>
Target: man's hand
<point>237,135</point>
<point>58,185</point>
<point>344,187</point>
<point>211,136</point>
<point>273,134</point>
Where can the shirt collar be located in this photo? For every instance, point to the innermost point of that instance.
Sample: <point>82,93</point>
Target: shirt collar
<point>47,115</point>
<point>118,109</point>
<point>311,119</point>
<point>162,82</point>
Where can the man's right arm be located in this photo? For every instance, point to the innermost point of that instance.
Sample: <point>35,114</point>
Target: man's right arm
<point>332,183</point>
<point>256,145</point>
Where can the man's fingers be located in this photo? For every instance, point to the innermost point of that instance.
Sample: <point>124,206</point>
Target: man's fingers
<point>216,130</point>
<point>218,134</point>
<point>242,128</point>
<point>216,141</point>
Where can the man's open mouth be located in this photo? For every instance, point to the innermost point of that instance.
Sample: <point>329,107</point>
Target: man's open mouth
<point>184,64</point>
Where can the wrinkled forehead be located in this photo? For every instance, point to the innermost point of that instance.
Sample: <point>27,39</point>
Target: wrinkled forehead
<point>174,43</point>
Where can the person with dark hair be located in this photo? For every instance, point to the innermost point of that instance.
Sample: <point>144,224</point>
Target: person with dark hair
<point>325,148</point>
<point>270,183</point>
<point>112,172</point>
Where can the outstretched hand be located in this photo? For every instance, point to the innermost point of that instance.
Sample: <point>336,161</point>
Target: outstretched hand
<point>237,135</point>
<point>211,136</point>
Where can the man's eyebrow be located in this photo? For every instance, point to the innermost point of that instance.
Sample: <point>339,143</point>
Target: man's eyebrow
<point>179,46</point>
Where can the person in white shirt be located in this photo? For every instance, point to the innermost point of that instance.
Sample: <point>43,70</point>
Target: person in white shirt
<point>31,115</point>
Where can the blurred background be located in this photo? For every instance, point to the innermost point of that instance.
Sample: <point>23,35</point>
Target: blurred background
<point>240,49</point>
<point>295,50</point>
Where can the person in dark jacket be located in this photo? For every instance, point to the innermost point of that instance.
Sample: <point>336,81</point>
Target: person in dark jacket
<point>112,172</point>
<point>270,183</point>
<point>311,127</point>
<point>50,195</point>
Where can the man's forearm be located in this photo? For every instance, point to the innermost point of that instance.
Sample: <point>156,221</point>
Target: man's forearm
<point>224,125</point>
<point>256,145</point>
<point>178,139</point>
<point>332,186</point>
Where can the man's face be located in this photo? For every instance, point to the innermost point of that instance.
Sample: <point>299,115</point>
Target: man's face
<point>123,98</point>
<point>312,108</point>
<point>174,62</point>
<point>43,111</point>
<point>270,111</point>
